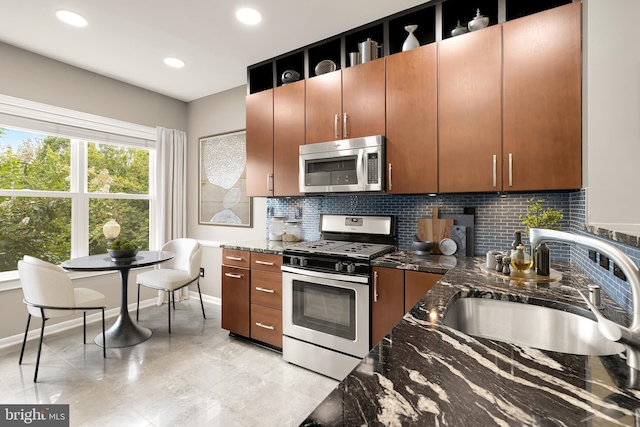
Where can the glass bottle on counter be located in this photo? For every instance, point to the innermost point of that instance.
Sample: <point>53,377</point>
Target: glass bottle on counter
<point>520,260</point>
<point>542,254</point>
<point>292,232</point>
<point>517,240</point>
<point>276,228</point>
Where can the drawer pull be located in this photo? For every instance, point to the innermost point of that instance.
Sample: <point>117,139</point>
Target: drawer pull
<point>234,258</point>
<point>264,262</point>
<point>262,325</point>
<point>269,291</point>
<point>233,276</point>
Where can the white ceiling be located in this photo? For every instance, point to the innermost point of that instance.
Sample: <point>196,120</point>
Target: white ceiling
<point>128,39</point>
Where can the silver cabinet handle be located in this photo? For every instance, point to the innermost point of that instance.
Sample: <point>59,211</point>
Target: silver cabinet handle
<point>269,291</point>
<point>262,325</point>
<point>495,170</point>
<point>335,125</point>
<point>375,286</point>
<point>269,178</point>
<point>344,126</point>
<point>263,262</point>
<point>390,185</point>
<point>233,258</point>
<point>510,169</point>
<point>233,276</point>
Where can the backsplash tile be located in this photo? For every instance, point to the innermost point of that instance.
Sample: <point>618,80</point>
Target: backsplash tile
<point>496,217</point>
<point>495,221</point>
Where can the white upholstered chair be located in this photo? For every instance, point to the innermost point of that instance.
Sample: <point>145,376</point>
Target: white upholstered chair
<point>181,271</point>
<point>49,293</point>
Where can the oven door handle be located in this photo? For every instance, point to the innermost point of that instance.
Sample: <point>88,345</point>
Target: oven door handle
<point>331,276</point>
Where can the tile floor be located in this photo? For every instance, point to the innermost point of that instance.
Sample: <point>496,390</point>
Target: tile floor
<point>197,376</point>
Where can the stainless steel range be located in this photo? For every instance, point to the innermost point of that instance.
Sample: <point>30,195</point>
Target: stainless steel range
<point>326,293</point>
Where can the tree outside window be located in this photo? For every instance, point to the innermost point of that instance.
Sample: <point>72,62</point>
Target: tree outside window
<point>38,195</point>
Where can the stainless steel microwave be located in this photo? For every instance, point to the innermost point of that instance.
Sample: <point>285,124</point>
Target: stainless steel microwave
<point>348,165</point>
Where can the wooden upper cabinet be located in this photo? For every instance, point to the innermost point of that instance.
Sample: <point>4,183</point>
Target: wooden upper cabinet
<point>355,93</point>
<point>363,99</point>
<point>470,112</point>
<point>288,135</point>
<point>542,100</point>
<point>260,143</point>
<point>412,111</point>
<point>323,107</point>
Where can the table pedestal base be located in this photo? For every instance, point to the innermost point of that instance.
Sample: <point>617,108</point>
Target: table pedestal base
<point>124,333</point>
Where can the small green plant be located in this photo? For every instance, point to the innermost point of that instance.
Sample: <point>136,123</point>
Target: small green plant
<point>537,217</point>
<point>122,245</point>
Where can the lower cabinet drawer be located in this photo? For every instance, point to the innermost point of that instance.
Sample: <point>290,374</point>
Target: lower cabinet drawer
<point>266,325</point>
<point>266,289</point>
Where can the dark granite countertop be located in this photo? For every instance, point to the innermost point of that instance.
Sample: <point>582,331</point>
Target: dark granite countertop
<point>261,245</point>
<point>424,373</point>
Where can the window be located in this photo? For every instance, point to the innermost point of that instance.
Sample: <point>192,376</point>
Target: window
<point>56,190</point>
<point>63,174</point>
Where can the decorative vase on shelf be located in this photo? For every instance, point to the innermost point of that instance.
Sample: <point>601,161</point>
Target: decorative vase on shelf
<point>459,29</point>
<point>411,42</point>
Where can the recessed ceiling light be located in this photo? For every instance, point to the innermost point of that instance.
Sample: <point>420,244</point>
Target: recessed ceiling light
<point>174,62</point>
<point>248,16</point>
<point>71,18</point>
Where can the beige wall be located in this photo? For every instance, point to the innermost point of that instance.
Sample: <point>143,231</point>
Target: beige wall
<point>218,113</point>
<point>33,77</point>
<point>611,120</point>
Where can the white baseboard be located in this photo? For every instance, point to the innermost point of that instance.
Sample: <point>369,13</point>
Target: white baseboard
<point>93,318</point>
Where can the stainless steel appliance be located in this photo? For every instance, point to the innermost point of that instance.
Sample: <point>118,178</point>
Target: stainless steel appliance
<point>326,293</point>
<point>348,165</point>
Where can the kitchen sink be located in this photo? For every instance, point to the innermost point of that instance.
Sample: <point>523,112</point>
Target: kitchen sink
<point>531,325</point>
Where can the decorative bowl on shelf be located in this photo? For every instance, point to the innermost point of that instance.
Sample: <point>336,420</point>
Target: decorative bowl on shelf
<point>422,247</point>
<point>122,254</point>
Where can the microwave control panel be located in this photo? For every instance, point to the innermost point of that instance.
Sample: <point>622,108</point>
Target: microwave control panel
<point>372,168</point>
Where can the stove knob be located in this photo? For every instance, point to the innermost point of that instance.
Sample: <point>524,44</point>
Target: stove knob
<point>339,266</point>
<point>303,262</point>
<point>351,268</point>
<point>293,260</point>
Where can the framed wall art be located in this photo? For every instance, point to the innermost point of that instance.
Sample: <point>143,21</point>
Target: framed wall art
<point>223,180</point>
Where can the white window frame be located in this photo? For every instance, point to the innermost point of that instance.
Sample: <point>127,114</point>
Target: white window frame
<point>80,128</point>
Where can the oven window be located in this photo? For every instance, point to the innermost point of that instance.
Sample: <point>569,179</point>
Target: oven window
<point>327,309</point>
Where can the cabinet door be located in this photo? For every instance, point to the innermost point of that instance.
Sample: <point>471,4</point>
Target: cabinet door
<point>412,109</point>
<point>542,100</point>
<point>470,112</point>
<point>387,301</point>
<point>260,143</point>
<point>288,135</point>
<point>416,285</point>
<point>323,107</point>
<point>363,100</point>
<point>235,300</point>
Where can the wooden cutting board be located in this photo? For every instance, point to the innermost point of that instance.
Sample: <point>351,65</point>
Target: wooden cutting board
<point>434,229</point>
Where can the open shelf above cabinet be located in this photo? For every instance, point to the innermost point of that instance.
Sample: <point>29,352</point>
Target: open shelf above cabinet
<point>434,19</point>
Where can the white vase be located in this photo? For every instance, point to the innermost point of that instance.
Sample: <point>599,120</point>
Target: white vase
<point>411,42</point>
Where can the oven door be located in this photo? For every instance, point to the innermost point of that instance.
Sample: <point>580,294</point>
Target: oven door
<point>326,310</point>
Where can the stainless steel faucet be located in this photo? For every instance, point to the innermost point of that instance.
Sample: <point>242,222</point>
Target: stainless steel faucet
<point>630,336</point>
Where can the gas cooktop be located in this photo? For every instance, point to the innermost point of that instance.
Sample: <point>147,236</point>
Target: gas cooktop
<point>339,248</point>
